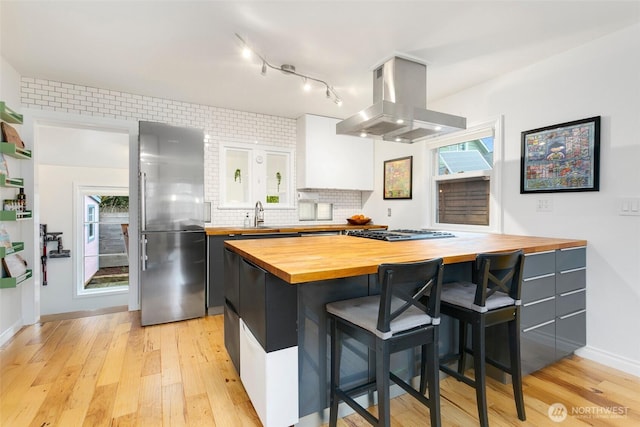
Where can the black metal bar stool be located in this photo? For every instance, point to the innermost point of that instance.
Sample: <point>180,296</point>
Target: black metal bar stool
<point>393,321</point>
<point>493,298</point>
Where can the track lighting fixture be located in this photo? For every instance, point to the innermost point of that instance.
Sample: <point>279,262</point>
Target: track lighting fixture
<point>330,92</point>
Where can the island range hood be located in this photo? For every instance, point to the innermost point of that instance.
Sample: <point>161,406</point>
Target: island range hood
<point>399,105</point>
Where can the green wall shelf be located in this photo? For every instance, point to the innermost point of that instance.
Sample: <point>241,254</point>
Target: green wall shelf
<point>12,150</point>
<point>5,181</point>
<point>17,247</point>
<point>14,215</point>
<point>8,115</point>
<point>12,282</point>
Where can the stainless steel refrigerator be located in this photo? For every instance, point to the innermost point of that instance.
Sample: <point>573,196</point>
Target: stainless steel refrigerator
<point>172,237</point>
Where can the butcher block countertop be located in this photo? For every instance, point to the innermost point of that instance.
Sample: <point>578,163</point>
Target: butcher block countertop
<point>300,260</point>
<point>311,228</point>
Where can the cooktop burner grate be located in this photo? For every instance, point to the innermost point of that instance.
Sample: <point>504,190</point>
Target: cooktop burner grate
<point>401,234</point>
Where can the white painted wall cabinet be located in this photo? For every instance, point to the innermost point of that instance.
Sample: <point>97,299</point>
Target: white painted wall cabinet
<point>329,161</point>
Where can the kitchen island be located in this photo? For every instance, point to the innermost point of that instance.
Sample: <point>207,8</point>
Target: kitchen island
<point>216,236</point>
<point>276,291</point>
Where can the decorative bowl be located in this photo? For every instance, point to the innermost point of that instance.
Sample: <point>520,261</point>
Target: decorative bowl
<point>358,221</point>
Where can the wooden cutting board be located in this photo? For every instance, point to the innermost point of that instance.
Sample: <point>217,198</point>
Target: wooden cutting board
<point>9,134</point>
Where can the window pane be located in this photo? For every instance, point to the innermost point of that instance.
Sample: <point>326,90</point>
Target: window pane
<point>237,176</point>
<point>474,155</point>
<point>277,179</point>
<point>463,202</point>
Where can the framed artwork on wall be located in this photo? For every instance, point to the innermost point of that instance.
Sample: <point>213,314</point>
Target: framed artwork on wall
<point>398,178</point>
<point>562,157</point>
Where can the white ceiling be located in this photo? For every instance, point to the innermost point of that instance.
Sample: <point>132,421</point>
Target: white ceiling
<point>187,51</point>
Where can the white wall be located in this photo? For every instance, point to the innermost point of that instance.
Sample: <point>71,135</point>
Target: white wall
<point>404,213</point>
<point>598,79</point>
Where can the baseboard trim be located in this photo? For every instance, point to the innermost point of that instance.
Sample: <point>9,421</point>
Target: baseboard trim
<point>10,332</point>
<point>84,313</point>
<point>609,359</point>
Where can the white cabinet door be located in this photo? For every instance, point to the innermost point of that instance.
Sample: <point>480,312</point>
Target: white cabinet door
<point>327,160</point>
<point>270,379</point>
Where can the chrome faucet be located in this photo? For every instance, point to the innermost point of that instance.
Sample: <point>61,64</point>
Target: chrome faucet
<point>258,218</point>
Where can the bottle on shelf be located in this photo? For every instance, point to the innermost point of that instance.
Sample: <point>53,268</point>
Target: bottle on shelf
<point>22,200</point>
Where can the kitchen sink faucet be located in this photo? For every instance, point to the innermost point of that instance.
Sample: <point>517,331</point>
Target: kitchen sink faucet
<point>258,218</point>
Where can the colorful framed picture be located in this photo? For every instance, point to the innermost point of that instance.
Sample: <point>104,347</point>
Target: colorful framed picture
<point>562,157</point>
<point>398,175</point>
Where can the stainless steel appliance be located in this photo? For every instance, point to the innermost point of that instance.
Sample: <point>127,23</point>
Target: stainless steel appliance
<point>399,110</point>
<point>172,237</point>
<point>401,234</point>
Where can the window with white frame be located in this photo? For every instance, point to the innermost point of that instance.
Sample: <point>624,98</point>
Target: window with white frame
<point>250,173</point>
<point>465,175</point>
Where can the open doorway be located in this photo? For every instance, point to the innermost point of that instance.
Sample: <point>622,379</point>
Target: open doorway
<point>106,247</point>
<point>79,169</point>
<point>101,226</point>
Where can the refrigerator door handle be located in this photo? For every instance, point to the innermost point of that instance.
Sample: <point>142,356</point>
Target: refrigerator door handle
<point>143,198</point>
<point>143,256</point>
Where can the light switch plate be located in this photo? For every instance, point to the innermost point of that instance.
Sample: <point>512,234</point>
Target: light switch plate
<point>629,206</point>
<point>544,205</point>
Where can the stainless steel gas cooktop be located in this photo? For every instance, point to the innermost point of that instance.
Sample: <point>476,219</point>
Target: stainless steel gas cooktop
<point>401,234</point>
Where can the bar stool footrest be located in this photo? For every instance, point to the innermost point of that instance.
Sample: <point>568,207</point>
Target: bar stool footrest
<point>468,381</point>
<point>356,406</point>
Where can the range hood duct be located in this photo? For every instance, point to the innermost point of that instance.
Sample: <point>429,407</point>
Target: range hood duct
<point>399,109</point>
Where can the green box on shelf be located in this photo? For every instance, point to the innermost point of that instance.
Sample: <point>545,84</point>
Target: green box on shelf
<point>8,115</point>
<point>5,181</point>
<point>17,247</point>
<point>12,282</point>
<point>14,215</point>
<point>11,150</point>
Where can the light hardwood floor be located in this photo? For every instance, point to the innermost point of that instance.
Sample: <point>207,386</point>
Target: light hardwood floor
<point>108,370</point>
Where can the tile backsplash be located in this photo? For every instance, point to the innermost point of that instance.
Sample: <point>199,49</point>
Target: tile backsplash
<point>220,124</point>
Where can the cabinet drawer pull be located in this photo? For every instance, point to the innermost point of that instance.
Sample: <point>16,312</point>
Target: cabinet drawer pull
<point>539,301</point>
<point>531,328</point>
<point>539,253</point>
<point>573,292</point>
<point>573,249</point>
<point>254,266</point>
<point>573,270</point>
<point>566,316</point>
<point>538,277</point>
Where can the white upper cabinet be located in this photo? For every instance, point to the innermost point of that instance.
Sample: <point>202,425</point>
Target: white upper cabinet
<point>330,161</point>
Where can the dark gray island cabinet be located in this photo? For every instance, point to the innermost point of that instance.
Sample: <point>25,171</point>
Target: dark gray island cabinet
<point>276,329</point>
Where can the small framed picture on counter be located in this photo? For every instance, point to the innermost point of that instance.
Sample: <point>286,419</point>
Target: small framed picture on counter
<point>398,178</point>
<point>562,157</point>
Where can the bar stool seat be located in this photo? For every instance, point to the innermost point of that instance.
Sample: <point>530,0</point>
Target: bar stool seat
<point>393,321</point>
<point>492,298</point>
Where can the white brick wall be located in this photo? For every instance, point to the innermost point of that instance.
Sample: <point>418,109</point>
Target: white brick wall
<point>221,124</point>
